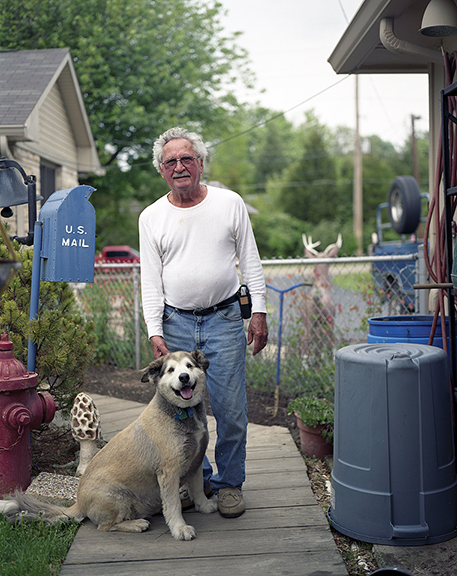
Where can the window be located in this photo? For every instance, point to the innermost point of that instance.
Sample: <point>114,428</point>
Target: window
<point>47,181</point>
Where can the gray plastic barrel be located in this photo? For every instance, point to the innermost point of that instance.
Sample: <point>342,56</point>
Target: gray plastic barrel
<point>394,473</point>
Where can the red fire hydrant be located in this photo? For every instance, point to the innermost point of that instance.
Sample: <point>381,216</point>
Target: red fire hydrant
<point>22,409</point>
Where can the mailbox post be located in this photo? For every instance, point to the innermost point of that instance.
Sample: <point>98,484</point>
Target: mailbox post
<point>64,246</point>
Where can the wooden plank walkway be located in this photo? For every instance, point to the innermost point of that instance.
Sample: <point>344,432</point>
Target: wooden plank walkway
<point>283,531</point>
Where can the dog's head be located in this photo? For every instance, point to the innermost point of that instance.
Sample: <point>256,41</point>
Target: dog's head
<point>180,377</point>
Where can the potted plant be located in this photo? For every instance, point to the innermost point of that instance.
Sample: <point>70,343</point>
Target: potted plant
<point>315,422</point>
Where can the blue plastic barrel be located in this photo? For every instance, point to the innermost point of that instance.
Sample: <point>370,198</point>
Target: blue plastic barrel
<point>414,329</point>
<point>391,572</point>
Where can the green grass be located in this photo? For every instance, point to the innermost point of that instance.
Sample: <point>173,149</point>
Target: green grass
<point>34,548</point>
<point>357,282</point>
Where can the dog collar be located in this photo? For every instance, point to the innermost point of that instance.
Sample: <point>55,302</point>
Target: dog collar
<point>184,413</point>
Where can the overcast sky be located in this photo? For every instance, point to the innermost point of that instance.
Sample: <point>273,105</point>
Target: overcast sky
<point>289,43</point>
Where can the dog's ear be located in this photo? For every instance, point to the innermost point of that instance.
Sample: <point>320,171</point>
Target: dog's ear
<point>145,377</point>
<point>153,368</point>
<point>201,359</point>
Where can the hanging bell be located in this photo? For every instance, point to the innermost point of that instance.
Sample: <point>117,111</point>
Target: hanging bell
<point>13,190</point>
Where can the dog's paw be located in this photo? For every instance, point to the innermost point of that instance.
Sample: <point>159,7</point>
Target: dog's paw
<point>141,525</point>
<point>185,532</point>
<point>207,507</point>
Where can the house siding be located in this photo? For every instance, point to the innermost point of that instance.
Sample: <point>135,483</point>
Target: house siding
<point>56,142</point>
<point>56,136</point>
<point>66,177</point>
<point>46,124</point>
<point>55,145</point>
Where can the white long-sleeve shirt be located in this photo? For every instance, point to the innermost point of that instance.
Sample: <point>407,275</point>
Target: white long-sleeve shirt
<point>188,255</point>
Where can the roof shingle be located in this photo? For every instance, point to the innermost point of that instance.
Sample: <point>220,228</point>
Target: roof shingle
<point>24,76</point>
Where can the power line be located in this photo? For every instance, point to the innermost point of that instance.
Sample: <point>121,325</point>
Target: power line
<point>278,115</point>
<point>290,109</point>
<point>344,11</point>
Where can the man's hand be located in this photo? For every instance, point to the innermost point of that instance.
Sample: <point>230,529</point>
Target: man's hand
<point>159,347</point>
<point>258,332</point>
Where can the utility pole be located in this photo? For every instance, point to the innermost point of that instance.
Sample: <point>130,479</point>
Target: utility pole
<point>414,149</point>
<point>357,189</point>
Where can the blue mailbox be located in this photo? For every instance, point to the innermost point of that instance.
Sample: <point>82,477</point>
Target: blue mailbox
<point>68,236</point>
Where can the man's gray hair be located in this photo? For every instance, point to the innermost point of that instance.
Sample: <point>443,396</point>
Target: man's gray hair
<point>173,134</point>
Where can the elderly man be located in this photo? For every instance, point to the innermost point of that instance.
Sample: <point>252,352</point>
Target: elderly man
<point>190,240</point>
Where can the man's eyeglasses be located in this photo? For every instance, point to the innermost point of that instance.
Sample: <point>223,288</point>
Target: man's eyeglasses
<point>186,161</point>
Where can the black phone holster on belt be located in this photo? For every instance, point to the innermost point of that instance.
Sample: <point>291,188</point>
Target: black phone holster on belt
<point>244,298</point>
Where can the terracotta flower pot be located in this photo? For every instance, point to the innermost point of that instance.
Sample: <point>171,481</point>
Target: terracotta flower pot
<point>312,443</point>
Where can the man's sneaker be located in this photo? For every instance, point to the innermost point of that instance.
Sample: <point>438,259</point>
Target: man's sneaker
<point>230,502</point>
<point>186,501</point>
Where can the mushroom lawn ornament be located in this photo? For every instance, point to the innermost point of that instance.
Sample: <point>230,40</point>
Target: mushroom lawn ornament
<point>86,429</point>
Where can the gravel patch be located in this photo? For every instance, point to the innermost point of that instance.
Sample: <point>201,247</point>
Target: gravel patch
<point>54,488</point>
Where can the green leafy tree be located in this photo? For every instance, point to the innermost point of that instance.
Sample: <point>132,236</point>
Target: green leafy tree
<point>378,174</point>
<point>407,162</point>
<point>230,164</point>
<point>65,342</point>
<point>381,164</point>
<point>278,234</point>
<point>378,171</point>
<point>233,149</point>
<point>276,149</point>
<point>119,198</point>
<point>310,189</point>
<point>143,67</point>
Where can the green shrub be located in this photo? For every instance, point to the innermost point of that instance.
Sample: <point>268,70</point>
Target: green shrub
<point>64,341</point>
<point>313,412</point>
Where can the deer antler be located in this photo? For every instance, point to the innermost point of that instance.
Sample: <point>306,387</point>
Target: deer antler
<point>308,244</point>
<point>337,245</point>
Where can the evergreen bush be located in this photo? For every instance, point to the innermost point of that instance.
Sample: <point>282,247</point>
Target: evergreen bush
<point>65,341</point>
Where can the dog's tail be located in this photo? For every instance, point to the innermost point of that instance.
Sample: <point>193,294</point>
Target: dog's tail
<point>26,507</point>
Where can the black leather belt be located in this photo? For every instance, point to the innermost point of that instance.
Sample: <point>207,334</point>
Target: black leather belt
<point>206,311</point>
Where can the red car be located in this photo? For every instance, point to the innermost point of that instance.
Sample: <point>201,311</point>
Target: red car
<point>118,254</point>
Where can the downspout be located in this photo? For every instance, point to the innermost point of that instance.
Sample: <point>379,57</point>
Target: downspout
<point>4,148</point>
<point>394,44</point>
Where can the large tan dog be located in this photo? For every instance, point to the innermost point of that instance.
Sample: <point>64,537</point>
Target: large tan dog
<point>139,472</point>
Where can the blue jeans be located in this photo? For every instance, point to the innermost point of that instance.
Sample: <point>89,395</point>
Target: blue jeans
<point>221,337</point>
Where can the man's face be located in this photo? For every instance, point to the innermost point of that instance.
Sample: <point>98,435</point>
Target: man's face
<point>181,178</point>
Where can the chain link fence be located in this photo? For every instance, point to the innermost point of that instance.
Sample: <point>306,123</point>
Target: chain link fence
<point>113,303</point>
<point>326,304</point>
<point>315,306</point>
